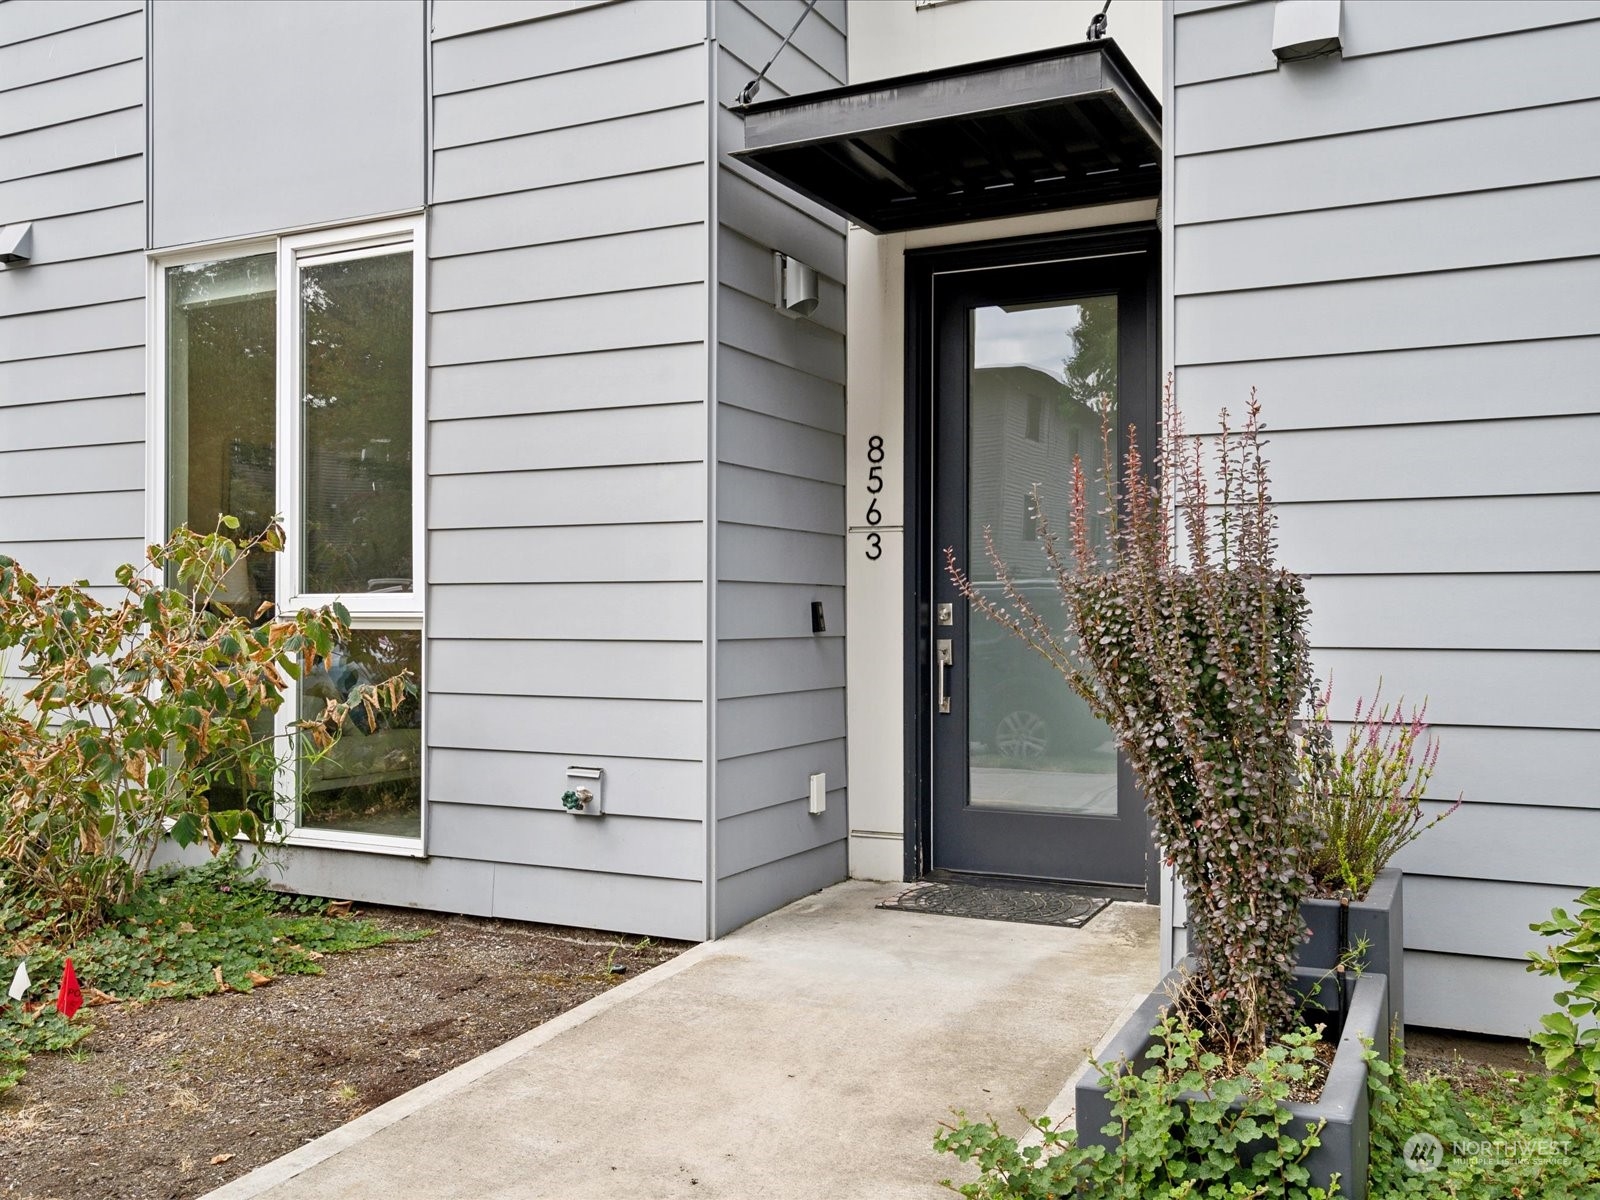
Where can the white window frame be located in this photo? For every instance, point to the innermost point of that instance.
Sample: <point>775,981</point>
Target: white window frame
<point>375,610</point>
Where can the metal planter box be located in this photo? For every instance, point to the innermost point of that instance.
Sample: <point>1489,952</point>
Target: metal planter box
<point>1379,918</point>
<point>1345,1138</point>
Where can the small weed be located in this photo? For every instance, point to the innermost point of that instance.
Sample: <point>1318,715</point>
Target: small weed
<point>79,1055</point>
<point>117,1090</point>
<point>345,1093</point>
<point>174,1064</point>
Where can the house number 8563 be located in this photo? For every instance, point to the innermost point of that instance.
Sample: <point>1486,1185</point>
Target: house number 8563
<point>874,486</point>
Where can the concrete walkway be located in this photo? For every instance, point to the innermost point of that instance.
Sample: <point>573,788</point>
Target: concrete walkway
<point>809,1055</point>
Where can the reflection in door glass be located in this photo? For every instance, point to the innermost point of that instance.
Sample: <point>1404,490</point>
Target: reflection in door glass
<point>1037,374</point>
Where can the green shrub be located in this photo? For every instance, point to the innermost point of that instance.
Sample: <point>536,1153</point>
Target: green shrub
<point>1499,1136</point>
<point>1183,1133</point>
<point>1570,1039</point>
<point>136,710</point>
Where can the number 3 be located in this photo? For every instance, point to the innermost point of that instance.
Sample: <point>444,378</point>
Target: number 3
<point>874,546</point>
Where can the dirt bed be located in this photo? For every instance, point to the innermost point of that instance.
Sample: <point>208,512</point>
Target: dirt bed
<point>170,1100</point>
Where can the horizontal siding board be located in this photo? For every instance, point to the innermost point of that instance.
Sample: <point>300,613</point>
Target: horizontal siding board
<point>577,324</point>
<point>1480,458</point>
<point>1476,995</point>
<point>568,725</point>
<point>65,562</point>
<point>436,884</point>
<point>1547,689</point>
<point>624,670</point>
<point>757,327</point>
<point>618,263</point>
<point>766,443</point>
<point>66,469</point>
<point>566,42</point>
<point>1519,844</point>
<point>82,515</point>
<point>631,904</point>
<point>760,554</point>
<point>1487,612</point>
<point>777,776</point>
<point>626,845</point>
<point>579,611</point>
<point>94,327</point>
<point>755,497</point>
<point>104,421</point>
<point>755,838</point>
<point>1447,383</point>
<point>765,668</point>
<point>667,788</point>
<point>1334,95</point>
<point>42,288</point>
<point>631,377</point>
<point>775,610</point>
<point>78,189</point>
<point>769,220</point>
<point>1220,43</point>
<point>1552,767</point>
<point>570,98</point>
<point>820,41</point>
<point>752,724</point>
<point>590,209</point>
<point>1493,150</point>
<point>95,139</point>
<point>85,376</point>
<point>748,381</point>
<point>789,76</point>
<point>592,496</point>
<point>747,267</point>
<point>744,897</point>
<point>21,22</point>
<point>71,51</point>
<point>1474,917</point>
<point>604,437</point>
<point>1538,300</point>
<point>568,554</point>
<point>1513,225</point>
<point>452,18</point>
<point>58,101</point>
<point>1445,536</point>
<point>88,234</point>
<point>625,146</point>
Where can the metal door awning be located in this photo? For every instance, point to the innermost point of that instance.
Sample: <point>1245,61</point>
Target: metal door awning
<point>1048,130</point>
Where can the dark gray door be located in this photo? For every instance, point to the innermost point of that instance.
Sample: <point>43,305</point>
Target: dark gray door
<point>1024,781</point>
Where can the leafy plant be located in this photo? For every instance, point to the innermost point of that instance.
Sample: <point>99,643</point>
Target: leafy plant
<point>1189,641</point>
<point>1363,801</point>
<point>137,710</point>
<point>1570,1038</point>
<point>1181,1130</point>
<point>1501,1136</point>
<point>182,933</point>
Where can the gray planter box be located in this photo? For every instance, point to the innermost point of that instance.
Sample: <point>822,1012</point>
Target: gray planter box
<point>1380,919</point>
<point>1346,1136</point>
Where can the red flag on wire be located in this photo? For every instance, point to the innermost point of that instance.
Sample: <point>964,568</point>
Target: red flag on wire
<point>70,999</point>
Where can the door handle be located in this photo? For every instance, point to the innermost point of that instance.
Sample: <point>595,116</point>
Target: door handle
<point>946,658</point>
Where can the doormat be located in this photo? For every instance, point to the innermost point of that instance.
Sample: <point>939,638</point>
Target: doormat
<point>1044,906</point>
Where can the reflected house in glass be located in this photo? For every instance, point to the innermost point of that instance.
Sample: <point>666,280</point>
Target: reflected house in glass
<point>480,298</point>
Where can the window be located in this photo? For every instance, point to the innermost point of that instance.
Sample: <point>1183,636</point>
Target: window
<point>292,376</point>
<point>1035,417</point>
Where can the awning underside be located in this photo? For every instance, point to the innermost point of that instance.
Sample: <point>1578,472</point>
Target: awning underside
<point>1069,127</point>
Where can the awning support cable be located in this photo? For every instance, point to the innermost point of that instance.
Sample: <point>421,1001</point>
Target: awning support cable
<point>1097,25</point>
<point>748,92</point>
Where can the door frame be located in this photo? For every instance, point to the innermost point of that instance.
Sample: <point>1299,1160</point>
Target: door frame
<point>921,267</point>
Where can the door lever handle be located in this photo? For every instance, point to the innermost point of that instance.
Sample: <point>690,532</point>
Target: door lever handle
<point>946,658</point>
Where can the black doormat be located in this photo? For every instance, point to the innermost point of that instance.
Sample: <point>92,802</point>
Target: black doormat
<point>1026,906</point>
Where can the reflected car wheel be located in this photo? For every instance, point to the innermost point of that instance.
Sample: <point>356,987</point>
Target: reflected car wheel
<point>1021,733</point>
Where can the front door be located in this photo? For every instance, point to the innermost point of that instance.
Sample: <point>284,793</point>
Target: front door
<point>1023,780</point>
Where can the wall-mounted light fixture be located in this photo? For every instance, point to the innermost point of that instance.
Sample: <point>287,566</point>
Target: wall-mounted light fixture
<point>16,243</point>
<point>795,285</point>
<point>1305,29</point>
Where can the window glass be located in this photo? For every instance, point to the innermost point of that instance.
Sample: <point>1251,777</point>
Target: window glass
<point>371,780</point>
<point>355,413</point>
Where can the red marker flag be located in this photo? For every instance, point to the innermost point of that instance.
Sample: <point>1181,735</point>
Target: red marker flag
<point>71,998</point>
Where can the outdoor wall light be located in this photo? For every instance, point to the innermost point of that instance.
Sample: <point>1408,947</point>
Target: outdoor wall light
<point>1305,29</point>
<point>16,243</point>
<point>796,286</point>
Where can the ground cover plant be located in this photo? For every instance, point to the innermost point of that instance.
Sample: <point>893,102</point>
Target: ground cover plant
<point>183,933</point>
<point>1570,1036</point>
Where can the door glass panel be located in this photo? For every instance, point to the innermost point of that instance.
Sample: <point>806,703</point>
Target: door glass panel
<point>371,779</point>
<point>356,408</point>
<point>1037,375</point>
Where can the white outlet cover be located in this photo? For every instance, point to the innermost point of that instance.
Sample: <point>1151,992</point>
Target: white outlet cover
<point>819,793</point>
